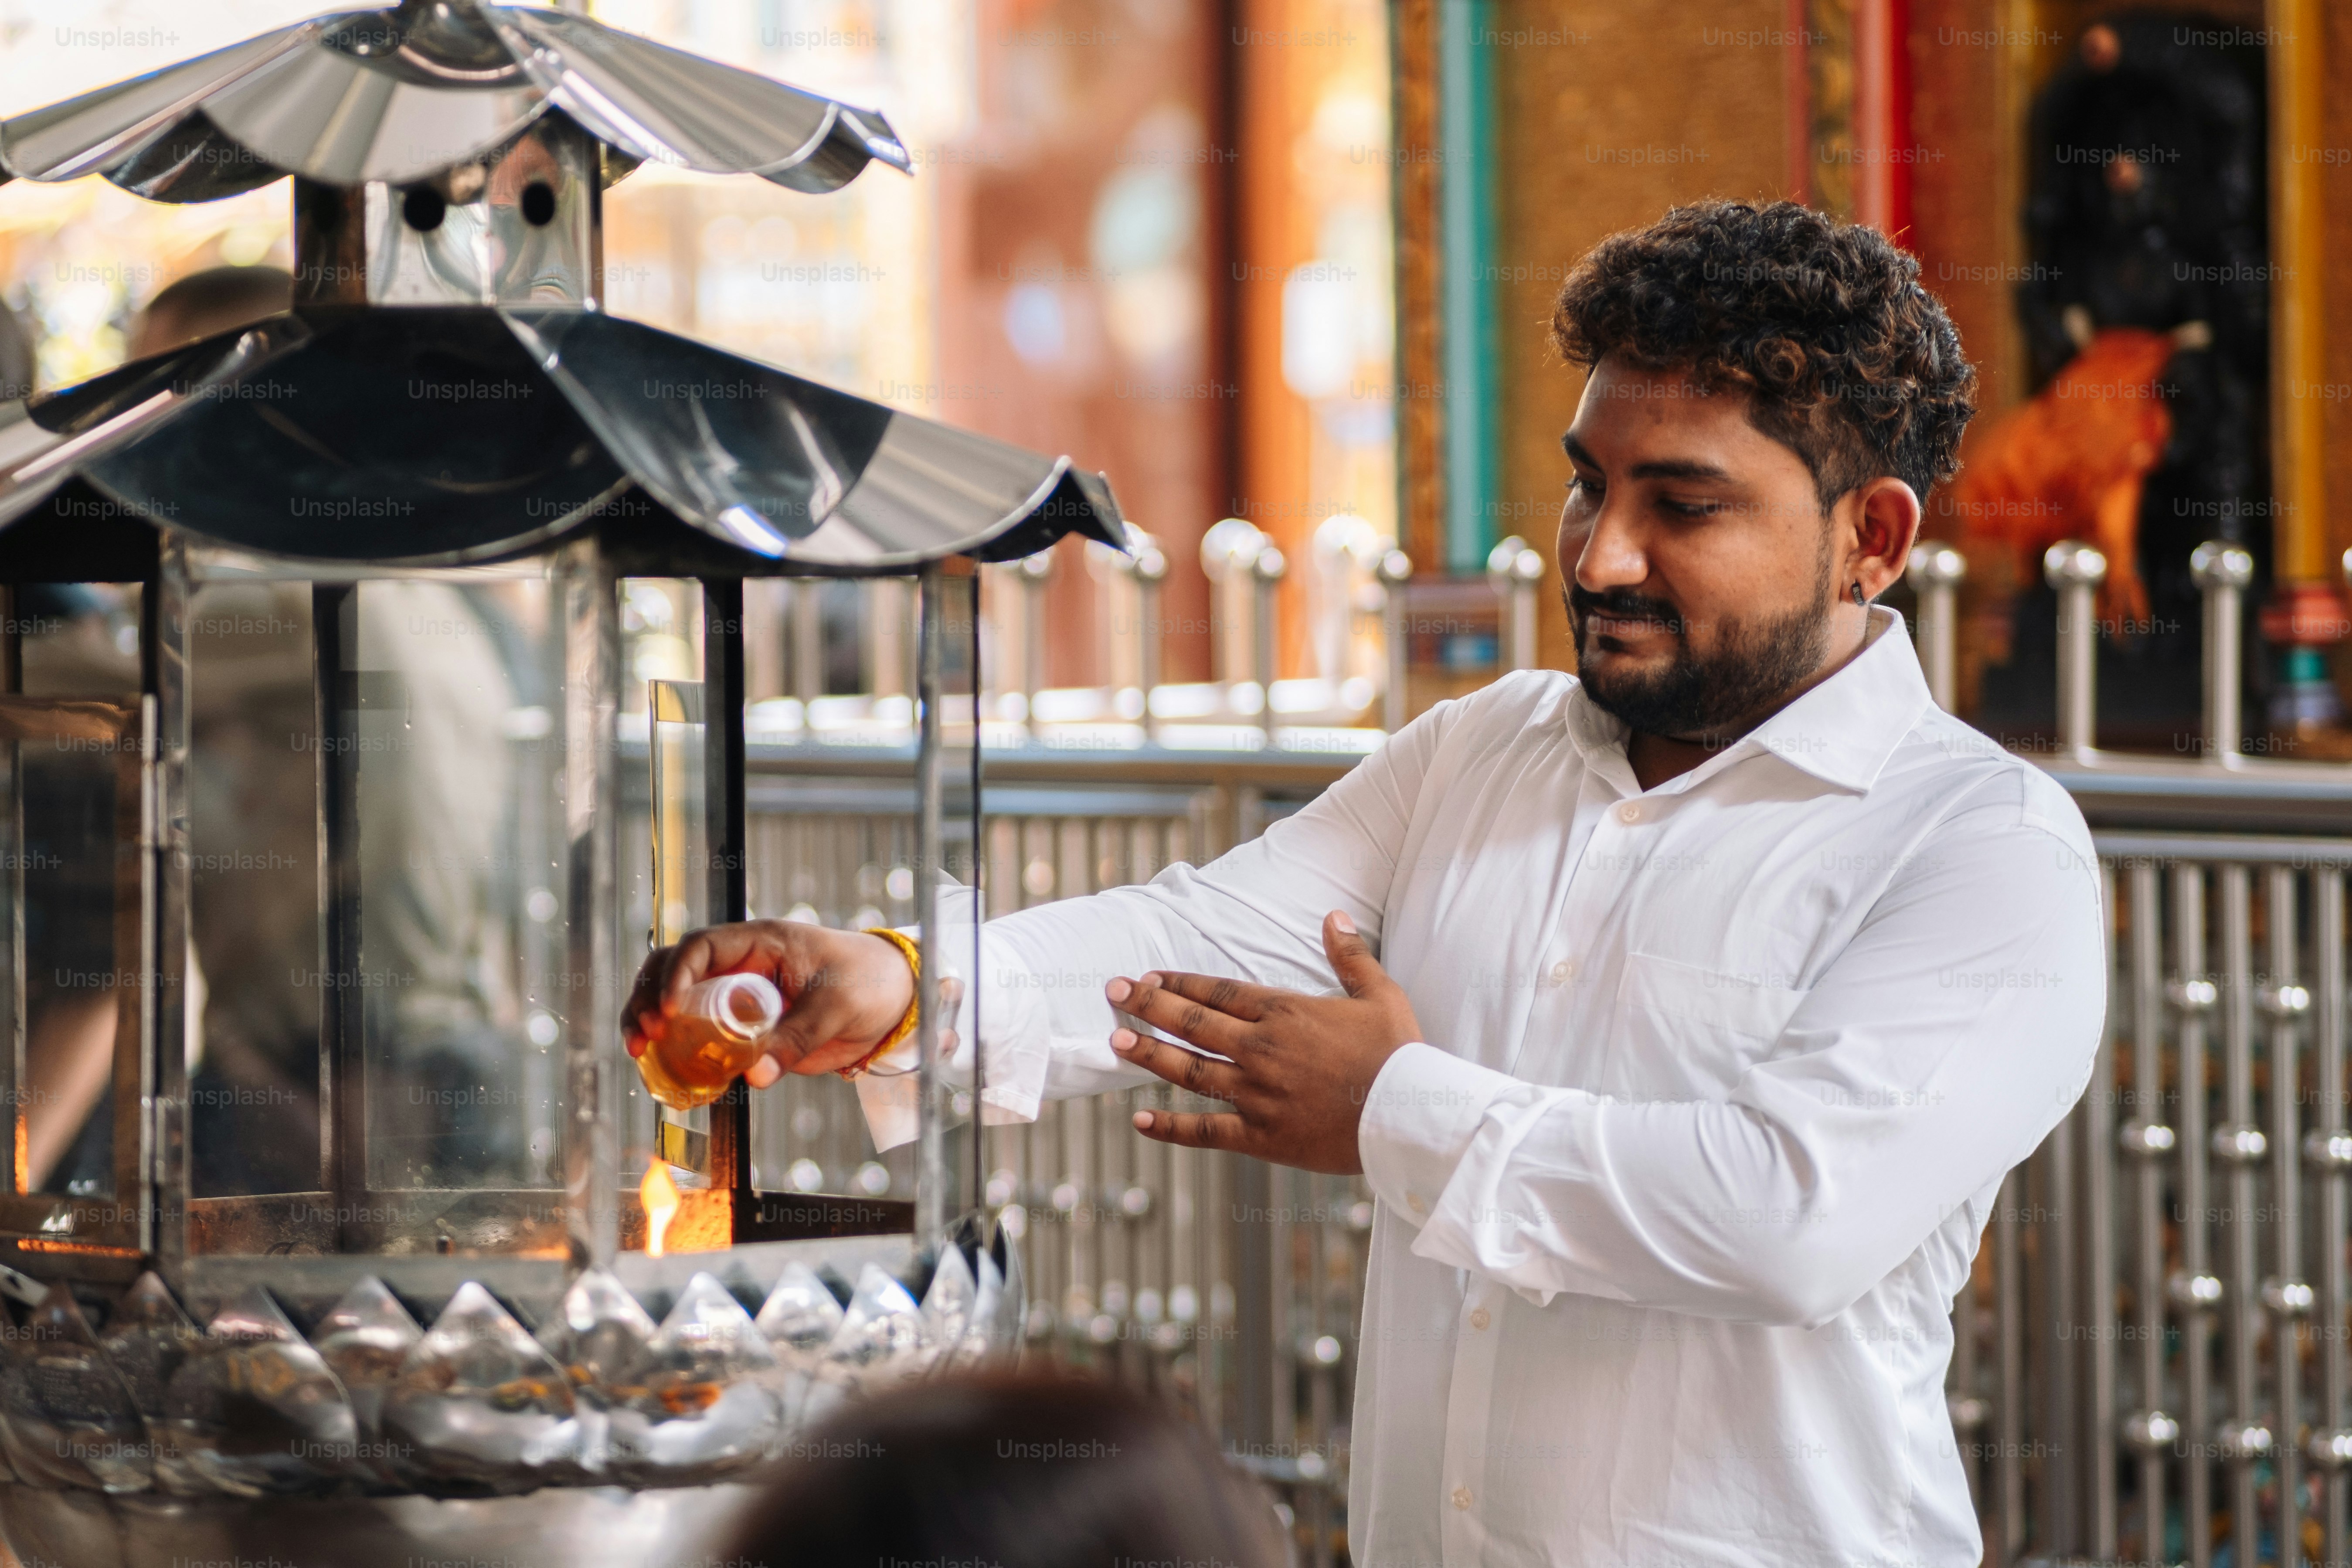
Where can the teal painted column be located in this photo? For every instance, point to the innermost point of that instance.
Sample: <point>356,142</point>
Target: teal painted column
<point>1465,270</point>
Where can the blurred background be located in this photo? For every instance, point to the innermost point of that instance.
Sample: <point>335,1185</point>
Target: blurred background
<point>1292,260</point>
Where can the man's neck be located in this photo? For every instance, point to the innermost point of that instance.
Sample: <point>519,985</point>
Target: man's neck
<point>1655,759</point>
<point>1658,758</point>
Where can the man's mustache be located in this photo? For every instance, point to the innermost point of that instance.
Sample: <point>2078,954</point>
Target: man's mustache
<point>1623,604</point>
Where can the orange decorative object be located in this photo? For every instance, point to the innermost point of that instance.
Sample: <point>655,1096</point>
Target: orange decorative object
<point>2070,463</point>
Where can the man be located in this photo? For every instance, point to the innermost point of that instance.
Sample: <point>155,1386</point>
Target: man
<point>1716,989</point>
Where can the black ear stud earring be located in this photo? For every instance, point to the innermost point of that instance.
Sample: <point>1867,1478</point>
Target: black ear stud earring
<point>1857,594</point>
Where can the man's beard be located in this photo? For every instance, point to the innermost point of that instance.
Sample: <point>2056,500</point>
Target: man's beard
<point>1752,666</point>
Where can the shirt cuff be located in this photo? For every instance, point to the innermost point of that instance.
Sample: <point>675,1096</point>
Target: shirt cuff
<point>889,1091</point>
<point>1419,1116</point>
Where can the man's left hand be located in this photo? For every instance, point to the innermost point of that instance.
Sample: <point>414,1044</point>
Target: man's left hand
<point>1298,1068</point>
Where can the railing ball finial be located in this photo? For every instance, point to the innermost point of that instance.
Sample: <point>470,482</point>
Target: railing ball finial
<point>1937,572</point>
<point>2075,570</point>
<point>2223,571</point>
<point>2217,563</point>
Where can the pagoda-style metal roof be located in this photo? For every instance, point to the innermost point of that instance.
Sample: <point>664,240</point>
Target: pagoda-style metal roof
<point>401,95</point>
<point>442,435</point>
<point>423,411</point>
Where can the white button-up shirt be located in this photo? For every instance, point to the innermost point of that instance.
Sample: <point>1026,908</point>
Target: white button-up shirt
<point>1721,1080</point>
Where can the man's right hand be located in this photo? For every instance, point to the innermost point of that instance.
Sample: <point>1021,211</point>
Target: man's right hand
<point>843,991</point>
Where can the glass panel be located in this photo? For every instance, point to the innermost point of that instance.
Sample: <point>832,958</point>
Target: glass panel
<point>79,639</point>
<point>681,857</point>
<point>447,730</point>
<point>256,966</point>
<point>661,634</point>
<point>71,862</point>
<point>680,821</point>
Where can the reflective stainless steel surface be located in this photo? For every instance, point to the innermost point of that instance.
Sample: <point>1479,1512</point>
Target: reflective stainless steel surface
<point>399,95</point>
<point>300,437</point>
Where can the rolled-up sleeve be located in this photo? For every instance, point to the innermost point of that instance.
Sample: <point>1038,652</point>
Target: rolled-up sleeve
<point>1954,1030</point>
<point>1255,913</point>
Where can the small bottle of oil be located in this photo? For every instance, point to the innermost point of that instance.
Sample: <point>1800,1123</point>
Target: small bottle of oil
<point>712,1041</point>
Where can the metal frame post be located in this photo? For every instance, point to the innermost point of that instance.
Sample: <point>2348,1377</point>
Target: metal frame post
<point>1935,571</point>
<point>1395,569</point>
<point>2075,570</point>
<point>2222,570</point>
<point>1513,570</point>
<point>931,1168</point>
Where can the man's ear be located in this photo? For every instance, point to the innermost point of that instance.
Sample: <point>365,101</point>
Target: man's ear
<point>1885,524</point>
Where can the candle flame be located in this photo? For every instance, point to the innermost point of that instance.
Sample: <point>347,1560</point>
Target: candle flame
<point>661,1200</point>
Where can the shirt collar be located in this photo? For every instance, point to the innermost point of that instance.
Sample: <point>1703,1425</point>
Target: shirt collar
<point>1842,731</point>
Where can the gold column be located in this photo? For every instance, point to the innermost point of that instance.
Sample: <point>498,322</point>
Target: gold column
<point>2298,325</point>
<point>1420,368</point>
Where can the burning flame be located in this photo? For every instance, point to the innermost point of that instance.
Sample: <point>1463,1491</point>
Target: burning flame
<point>661,1200</point>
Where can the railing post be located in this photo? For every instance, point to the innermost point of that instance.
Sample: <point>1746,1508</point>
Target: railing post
<point>889,637</point>
<point>1395,569</point>
<point>1514,569</point>
<point>807,614</point>
<point>1935,571</point>
<point>2222,570</point>
<point>2076,570</point>
<point>1265,574</point>
<point>1146,565</point>
<point>1227,551</point>
<point>1033,572</point>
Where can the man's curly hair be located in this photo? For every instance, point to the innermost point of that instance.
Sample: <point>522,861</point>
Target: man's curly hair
<point>1850,364</point>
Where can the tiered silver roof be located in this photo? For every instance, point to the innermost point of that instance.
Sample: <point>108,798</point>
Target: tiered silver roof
<point>449,158</point>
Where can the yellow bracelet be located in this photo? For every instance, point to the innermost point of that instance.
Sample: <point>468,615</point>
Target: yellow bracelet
<point>914,957</point>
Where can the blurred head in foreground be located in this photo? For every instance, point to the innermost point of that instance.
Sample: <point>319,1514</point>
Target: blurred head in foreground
<point>1020,1472</point>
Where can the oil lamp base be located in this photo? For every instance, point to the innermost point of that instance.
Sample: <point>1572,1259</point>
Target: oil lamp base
<point>551,1529</point>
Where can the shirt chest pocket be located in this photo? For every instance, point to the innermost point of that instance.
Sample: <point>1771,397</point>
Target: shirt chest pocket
<point>1682,1031</point>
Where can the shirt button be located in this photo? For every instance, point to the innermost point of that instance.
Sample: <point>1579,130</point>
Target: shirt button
<point>1564,971</point>
<point>1629,812</point>
<point>1480,1319</point>
<point>1419,1204</point>
<point>1461,1497</point>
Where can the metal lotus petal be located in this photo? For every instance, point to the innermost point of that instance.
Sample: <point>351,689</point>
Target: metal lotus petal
<point>442,434</point>
<point>800,1314</point>
<point>703,1402</point>
<point>364,1339</point>
<point>597,1336</point>
<point>598,1333</point>
<point>949,1302</point>
<point>381,95</point>
<point>880,1340</point>
<point>787,468</point>
<point>1012,1311</point>
<point>979,1343</point>
<point>99,130</point>
<point>358,433</point>
<point>66,1417</point>
<point>147,1336</point>
<point>663,105</point>
<point>478,1407</point>
<point>54,435</point>
<point>253,1411</point>
<point>402,94</point>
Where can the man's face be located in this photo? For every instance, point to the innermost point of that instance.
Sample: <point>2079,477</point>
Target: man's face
<point>1697,560</point>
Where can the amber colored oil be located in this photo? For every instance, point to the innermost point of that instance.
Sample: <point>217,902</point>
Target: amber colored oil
<point>698,1056</point>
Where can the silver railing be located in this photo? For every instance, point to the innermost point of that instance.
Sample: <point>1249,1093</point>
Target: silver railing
<point>2153,1348</point>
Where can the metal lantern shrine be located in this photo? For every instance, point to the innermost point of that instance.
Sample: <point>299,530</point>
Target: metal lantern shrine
<point>316,942</point>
